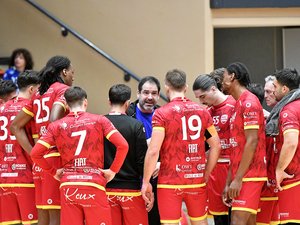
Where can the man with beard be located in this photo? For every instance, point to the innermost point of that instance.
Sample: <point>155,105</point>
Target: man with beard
<point>283,123</point>
<point>143,109</point>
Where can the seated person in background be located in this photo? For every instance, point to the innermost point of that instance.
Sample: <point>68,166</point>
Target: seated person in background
<point>20,61</point>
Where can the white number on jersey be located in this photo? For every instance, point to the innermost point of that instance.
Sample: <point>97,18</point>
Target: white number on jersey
<point>4,120</point>
<point>82,134</point>
<point>41,106</point>
<point>193,124</point>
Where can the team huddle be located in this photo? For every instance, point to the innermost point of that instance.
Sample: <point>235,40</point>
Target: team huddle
<point>226,157</point>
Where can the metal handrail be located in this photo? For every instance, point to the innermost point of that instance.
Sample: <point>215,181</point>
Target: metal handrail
<point>66,29</point>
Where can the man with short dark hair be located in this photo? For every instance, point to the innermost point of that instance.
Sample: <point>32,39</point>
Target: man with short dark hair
<point>180,129</point>
<point>8,90</point>
<point>79,138</point>
<point>124,191</point>
<point>284,123</point>
<point>16,181</point>
<point>143,109</point>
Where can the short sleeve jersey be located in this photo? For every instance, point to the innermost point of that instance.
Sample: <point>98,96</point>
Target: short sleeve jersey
<point>80,141</point>
<point>289,120</point>
<point>186,125</point>
<point>40,106</point>
<point>15,163</point>
<point>221,115</point>
<point>248,115</point>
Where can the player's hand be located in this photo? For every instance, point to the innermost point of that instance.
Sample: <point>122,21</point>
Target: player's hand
<point>280,176</point>
<point>147,195</point>
<point>108,174</point>
<point>59,173</point>
<point>226,200</point>
<point>157,167</point>
<point>235,188</point>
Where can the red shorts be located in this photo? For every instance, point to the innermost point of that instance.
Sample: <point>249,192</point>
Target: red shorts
<point>289,205</point>
<point>249,197</point>
<point>268,211</point>
<point>17,205</point>
<point>47,188</point>
<point>215,188</point>
<point>127,207</point>
<point>84,205</point>
<point>170,203</point>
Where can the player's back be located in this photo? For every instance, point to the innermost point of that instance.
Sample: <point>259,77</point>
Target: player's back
<point>182,154</point>
<point>129,176</point>
<point>79,138</point>
<point>41,105</point>
<point>16,163</point>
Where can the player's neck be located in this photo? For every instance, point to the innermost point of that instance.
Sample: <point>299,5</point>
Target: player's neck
<point>176,94</point>
<point>77,109</point>
<point>220,99</point>
<point>238,91</point>
<point>23,95</point>
<point>118,109</point>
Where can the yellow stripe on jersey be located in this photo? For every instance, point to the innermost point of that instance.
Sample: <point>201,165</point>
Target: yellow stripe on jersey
<point>159,128</point>
<point>274,222</point>
<point>131,194</point>
<point>289,221</point>
<point>48,206</point>
<point>269,198</point>
<point>246,179</point>
<point>60,103</point>
<point>170,221</point>
<point>291,130</point>
<point>44,143</point>
<point>35,136</point>
<point>110,133</point>
<point>244,209</point>
<point>53,154</point>
<point>17,185</point>
<point>262,223</point>
<point>27,112</point>
<point>29,221</point>
<point>290,185</point>
<point>251,127</point>
<point>173,186</point>
<point>198,218</point>
<point>83,184</point>
<point>212,130</point>
<point>11,222</point>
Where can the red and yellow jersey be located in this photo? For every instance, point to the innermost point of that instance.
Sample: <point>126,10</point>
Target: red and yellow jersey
<point>221,115</point>
<point>186,125</point>
<point>289,120</point>
<point>248,115</point>
<point>15,163</point>
<point>79,139</point>
<point>40,106</point>
<point>272,156</point>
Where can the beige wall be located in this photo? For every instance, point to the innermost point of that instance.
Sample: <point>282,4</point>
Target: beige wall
<point>148,37</point>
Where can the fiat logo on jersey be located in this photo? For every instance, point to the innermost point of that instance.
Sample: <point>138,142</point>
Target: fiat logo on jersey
<point>285,115</point>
